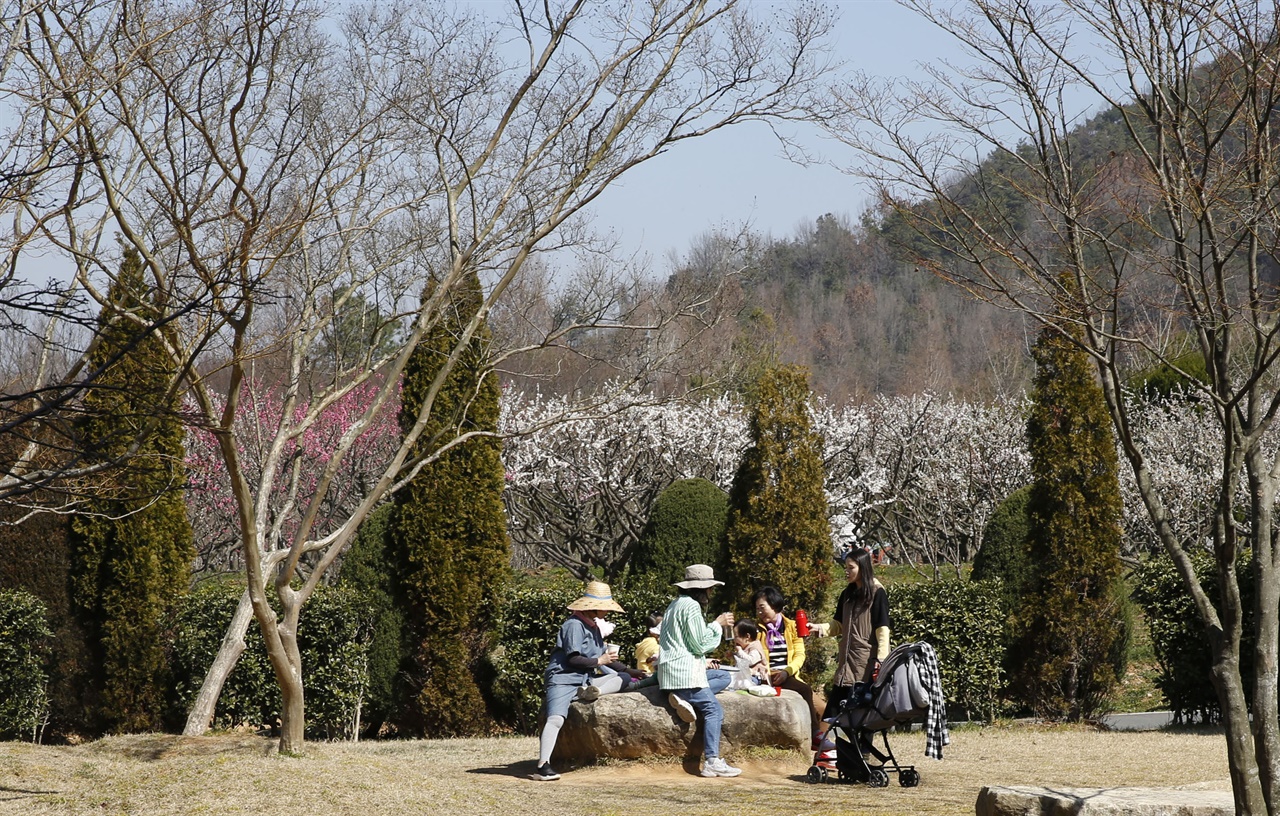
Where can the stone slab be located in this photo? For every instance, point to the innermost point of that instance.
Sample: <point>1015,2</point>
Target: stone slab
<point>1020,800</point>
<point>637,724</point>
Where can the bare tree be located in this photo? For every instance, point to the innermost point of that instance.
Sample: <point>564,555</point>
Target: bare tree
<point>1159,213</point>
<point>270,166</point>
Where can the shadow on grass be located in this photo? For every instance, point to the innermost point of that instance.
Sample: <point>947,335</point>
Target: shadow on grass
<point>155,747</point>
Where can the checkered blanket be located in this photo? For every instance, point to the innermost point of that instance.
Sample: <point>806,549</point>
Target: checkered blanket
<point>935,728</point>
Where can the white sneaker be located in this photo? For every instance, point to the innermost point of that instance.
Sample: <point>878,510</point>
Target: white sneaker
<point>684,711</point>
<point>715,766</point>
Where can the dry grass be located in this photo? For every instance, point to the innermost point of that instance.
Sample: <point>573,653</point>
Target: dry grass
<point>235,774</point>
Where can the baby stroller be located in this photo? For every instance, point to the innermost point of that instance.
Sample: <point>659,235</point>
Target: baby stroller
<point>899,695</point>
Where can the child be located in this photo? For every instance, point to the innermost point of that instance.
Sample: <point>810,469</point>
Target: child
<point>647,649</point>
<point>749,655</point>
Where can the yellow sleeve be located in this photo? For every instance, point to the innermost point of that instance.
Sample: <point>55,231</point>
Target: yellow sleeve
<point>795,650</point>
<point>882,642</point>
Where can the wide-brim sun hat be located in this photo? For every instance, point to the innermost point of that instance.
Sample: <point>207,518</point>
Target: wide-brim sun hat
<point>698,576</point>
<point>597,595</point>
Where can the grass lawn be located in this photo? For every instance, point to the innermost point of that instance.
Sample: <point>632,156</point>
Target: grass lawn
<point>241,774</point>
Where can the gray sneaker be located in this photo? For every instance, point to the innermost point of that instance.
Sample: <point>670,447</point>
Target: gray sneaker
<point>715,766</point>
<point>589,694</point>
<point>684,711</point>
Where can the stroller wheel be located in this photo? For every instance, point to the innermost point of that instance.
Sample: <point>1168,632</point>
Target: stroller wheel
<point>909,777</point>
<point>878,779</point>
<point>816,775</point>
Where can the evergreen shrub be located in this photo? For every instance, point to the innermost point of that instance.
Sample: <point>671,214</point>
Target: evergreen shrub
<point>1005,552</point>
<point>334,636</point>
<point>686,526</point>
<point>367,568</point>
<point>25,640</point>
<point>964,622</point>
<point>777,531</point>
<point>43,571</point>
<point>449,531</point>
<point>1178,637</point>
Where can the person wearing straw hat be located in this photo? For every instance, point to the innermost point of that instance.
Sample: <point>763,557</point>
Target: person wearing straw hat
<point>579,652</point>
<point>684,643</point>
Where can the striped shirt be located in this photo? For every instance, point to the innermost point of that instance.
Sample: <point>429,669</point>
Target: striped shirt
<point>684,643</point>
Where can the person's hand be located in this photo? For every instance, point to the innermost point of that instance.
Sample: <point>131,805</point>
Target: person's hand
<point>777,678</point>
<point>819,629</point>
<point>604,659</point>
<point>725,619</point>
<point>712,663</point>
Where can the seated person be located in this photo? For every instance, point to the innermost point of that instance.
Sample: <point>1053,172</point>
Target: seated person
<point>647,649</point>
<point>749,655</point>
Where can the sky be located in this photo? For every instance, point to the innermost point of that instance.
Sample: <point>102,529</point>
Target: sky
<point>738,176</point>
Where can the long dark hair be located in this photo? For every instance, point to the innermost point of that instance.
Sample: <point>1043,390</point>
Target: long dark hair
<point>865,590</point>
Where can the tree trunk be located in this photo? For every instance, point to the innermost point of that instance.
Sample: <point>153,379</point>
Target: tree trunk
<point>206,702</point>
<point>281,636</point>
<point>1241,759</point>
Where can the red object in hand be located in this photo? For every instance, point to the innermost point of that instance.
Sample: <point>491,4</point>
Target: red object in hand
<point>802,623</point>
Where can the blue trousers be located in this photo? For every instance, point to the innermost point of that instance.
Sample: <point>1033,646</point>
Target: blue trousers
<point>705,703</point>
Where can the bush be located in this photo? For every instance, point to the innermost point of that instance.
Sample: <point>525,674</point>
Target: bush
<point>333,636</point>
<point>686,526</point>
<point>367,569</point>
<point>1005,552</point>
<point>529,618</point>
<point>964,622</point>
<point>250,696</point>
<point>1178,637</point>
<point>24,683</point>
<point>43,571</point>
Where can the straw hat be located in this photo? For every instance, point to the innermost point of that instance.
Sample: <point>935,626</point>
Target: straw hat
<point>698,576</point>
<point>596,596</point>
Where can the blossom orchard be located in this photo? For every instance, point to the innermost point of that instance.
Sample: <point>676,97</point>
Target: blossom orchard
<point>916,478</point>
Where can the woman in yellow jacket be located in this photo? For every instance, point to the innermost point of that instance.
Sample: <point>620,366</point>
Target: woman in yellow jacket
<point>784,646</point>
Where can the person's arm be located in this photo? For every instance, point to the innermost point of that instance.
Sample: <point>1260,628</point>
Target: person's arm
<point>795,650</point>
<point>880,622</point>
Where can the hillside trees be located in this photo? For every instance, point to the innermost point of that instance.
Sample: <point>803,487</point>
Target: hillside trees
<point>270,165</point>
<point>1173,233</point>
<point>130,545</point>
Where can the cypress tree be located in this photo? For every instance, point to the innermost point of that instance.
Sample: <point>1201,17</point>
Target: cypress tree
<point>449,537</point>
<point>131,546</point>
<point>1070,632</point>
<point>777,530</point>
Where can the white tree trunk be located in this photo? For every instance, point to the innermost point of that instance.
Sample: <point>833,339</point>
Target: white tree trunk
<point>202,710</point>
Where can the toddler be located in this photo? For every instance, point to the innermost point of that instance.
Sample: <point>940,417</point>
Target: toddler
<point>647,649</point>
<point>751,661</point>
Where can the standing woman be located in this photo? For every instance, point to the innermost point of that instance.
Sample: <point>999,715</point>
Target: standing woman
<point>784,646</point>
<point>570,676</point>
<point>862,624</point>
<point>686,640</point>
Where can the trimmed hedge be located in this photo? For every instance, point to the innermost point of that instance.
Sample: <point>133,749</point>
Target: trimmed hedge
<point>686,526</point>
<point>24,648</point>
<point>1178,637</point>
<point>964,622</point>
<point>333,636</point>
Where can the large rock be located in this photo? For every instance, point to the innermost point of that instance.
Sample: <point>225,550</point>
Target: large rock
<point>638,724</point>
<point>1033,801</point>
